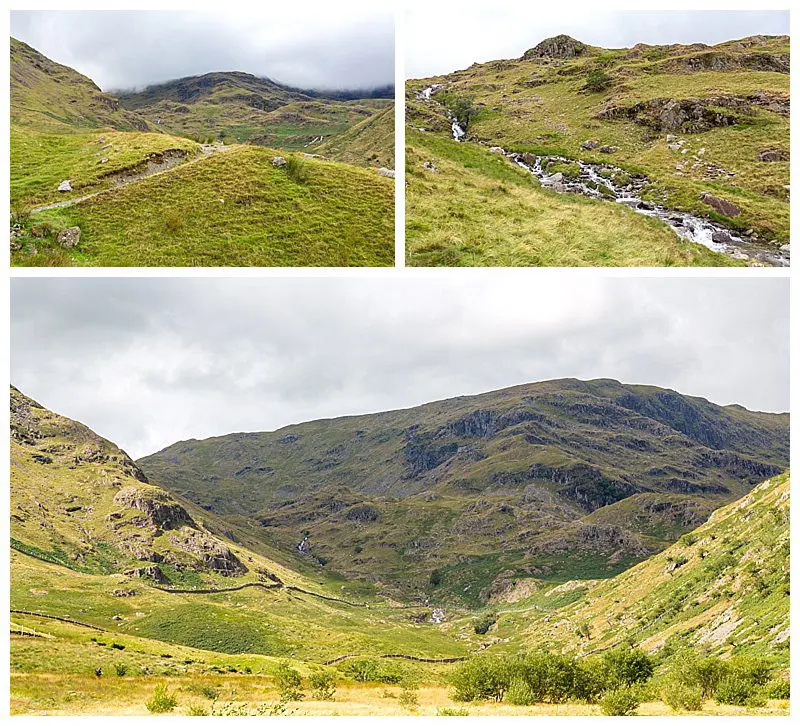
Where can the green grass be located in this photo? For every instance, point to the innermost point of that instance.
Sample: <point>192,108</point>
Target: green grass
<point>555,115</point>
<point>41,161</point>
<point>234,208</point>
<point>480,210</point>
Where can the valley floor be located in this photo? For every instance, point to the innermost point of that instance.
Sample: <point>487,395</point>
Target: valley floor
<point>49,694</point>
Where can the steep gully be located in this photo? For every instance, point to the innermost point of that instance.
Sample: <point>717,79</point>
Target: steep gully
<point>593,181</point>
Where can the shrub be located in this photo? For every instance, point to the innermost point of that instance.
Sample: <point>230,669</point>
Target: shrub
<point>297,169</point>
<point>209,692</point>
<point>681,696</point>
<point>323,685</point>
<point>779,688</point>
<point>460,107</point>
<point>196,711</point>
<point>482,624</point>
<point>545,678</point>
<point>120,669</point>
<point>481,678</point>
<point>289,682</point>
<point>625,666</point>
<point>751,668</point>
<point>445,711</point>
<point>621,701</point>
<point>162,701</point>
<point>409,696</point>
<point>734,690</point>
<point>367,670</point>
<point>597,81</point>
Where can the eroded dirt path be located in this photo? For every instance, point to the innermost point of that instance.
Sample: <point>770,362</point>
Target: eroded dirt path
<point>155,164</point>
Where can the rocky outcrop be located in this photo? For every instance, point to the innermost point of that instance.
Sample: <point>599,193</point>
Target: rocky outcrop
<point>773,155</point>
<point>160,509</point>
<point>713,60</point>
<point>213,554</point>
<point>362,513</point>
<point>558,47</point>
<point>685,115</point>
<point>149,572</point>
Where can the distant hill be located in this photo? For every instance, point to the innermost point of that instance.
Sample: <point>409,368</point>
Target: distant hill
<point>238,107</point>
<point>369,143</point>
<point>705,127</point>
<point>564,479</point>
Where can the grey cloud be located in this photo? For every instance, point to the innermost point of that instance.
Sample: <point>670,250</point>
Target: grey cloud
<point>146,362</point>
<point>439,40</point>
<point>340,48</point>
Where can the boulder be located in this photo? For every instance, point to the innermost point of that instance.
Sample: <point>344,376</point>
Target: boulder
<point>723,206</point>
<point>69,237</point>
<point>437,616</point>
<point>65,186</point>
<point>721,237</point>
<point>671,138</point>
<point>430,166</point>
<point>608,149</point>
<point>278,161</point>
<point>773,155</point>
<point>590,145</point>
<point>389,173</point>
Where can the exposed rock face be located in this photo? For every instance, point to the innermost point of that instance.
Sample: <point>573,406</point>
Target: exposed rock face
<point>559,46</point>
<point>773,155</point>
<point>162,511</point>
<point>686,115</point>
<point>69,237</point>
<point>723,206</point>
<point>363,513</point>
<point>720,61</point>
<point>215,555</point>
<point>150,572</point>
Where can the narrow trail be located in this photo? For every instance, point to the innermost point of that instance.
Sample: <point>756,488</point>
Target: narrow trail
<point>155,165</point>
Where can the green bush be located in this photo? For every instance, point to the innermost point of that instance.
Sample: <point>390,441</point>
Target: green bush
<point>366,670</point>
<point>162,701</point>
<point>482,678</point>
<point>289,682</point>
<point>734,690</point>
<point>547,678</point>
<point>323,685</point>
<point>597,80</point>
<point>625,666</point>
<point>621,701</point>
<point>195,710</point>
<point>681,696</point>
<point>445,711</point>
<point>779,688</point>
<point>121,669</point>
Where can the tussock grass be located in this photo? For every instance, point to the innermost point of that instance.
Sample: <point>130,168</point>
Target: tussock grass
<point>235,208</point>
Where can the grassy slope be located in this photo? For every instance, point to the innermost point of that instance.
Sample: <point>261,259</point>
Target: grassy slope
<point>368,143</point>
<point>723,588</point>
<point>480,210</point>
<point>236,208</point>
<point>41,161</point>
<point>478,484</point>
<point>539,105</point>
<point>47,95</point>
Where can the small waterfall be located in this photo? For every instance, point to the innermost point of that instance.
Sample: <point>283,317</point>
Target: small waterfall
<point>426,94</point>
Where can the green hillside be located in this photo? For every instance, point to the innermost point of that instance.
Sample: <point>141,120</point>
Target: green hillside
<point>369,143</point>
<point>691,120</point>
<point>118,587</point>
<point>561,480</point>
<point>722,589</point>
<point>143,193</point>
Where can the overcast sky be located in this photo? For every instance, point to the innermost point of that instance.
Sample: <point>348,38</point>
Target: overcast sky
<point>442,38</point>
<point>335,46</point>
<point>147,362</point>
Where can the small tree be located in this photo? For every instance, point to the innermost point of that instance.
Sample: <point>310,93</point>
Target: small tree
<point>625,666</point>
<point>597,81</point>
<point>323,685</point>
<point>622,701</point>
<point>481,678</point>
<point>289,682</point>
